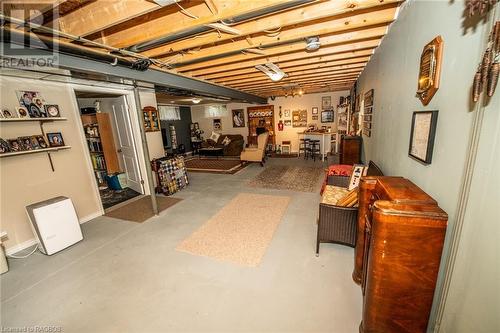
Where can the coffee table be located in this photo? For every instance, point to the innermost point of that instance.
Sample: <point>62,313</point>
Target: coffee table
<point>211,151</point>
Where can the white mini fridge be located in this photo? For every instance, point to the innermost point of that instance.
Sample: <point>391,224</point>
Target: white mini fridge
<point>55,224</point>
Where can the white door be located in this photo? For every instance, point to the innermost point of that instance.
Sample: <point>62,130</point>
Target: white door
<point>126,146</point>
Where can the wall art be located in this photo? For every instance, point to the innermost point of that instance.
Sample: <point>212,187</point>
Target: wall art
<point>423,131</point>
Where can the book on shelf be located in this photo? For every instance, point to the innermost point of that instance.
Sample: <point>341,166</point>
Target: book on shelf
<point>98,162</point>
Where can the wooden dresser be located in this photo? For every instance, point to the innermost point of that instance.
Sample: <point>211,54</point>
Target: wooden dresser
<point>350,149</point>
<point>401,232</point>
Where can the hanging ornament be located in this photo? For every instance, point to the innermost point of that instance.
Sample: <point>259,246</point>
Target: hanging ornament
<point>485,66</point>
<point>281,114</point>
<point>476,86</point>
<point>496,37</point>
<point>479,6</point>
<point>493,78</point>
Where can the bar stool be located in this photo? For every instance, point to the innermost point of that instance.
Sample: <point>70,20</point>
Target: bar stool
<point>303,143</point>
<point>313,149</point>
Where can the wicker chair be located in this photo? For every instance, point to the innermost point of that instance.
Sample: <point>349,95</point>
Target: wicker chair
<point>337,224</point>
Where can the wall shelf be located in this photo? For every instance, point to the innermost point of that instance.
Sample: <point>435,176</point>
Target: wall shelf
<point>13,120</point>
<point>34,151</point>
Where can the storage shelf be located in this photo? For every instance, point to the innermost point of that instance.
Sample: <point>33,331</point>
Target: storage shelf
<point>34,151</point>
<point>13,120</point>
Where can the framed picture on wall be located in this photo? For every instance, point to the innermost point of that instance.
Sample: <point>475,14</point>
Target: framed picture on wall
<point>238,118</point>
<point>217,124</point>
<point>368,98</point>
<point>288,123</point>
<point>423,131</point>
<point>315,110</point>
<point>55,139</point>
<point>287,113</point>
<point>327,116</point>
<point>326,102</point>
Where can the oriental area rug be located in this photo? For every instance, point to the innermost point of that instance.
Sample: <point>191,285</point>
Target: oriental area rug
<point>213,165</point>
<point>241,231</point>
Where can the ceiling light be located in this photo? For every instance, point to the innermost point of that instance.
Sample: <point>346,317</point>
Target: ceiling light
<point>312,43</point>
<point>301,92</point>
<point>164,3</point>
<point>272,70</point>
<point>196,100</point>
<point>172,101</point>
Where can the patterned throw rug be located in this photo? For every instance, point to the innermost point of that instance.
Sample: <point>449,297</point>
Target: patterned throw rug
<point>300,179</point>
<point>241,231</point>
<point>212,165</point>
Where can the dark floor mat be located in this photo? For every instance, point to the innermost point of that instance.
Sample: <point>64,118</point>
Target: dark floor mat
<point>110,197</point>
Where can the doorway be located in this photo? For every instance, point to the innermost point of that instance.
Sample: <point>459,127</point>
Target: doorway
<point>111,146</point>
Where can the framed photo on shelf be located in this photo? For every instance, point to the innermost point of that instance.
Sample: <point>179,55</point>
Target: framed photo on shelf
<point>14,145</point>
<point>33,102</point>
<point>8,114</point>
<point>326,102</point>
<point>315,110</point>
<point>4,146</point>
<point>25,142</point>
<point>52,110</point>
<point>41,141</point>
<point>423,132</point>
<point>327,116</point>
<point>55,139</point>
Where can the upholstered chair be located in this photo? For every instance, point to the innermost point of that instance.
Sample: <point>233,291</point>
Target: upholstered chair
<point>256,154</point>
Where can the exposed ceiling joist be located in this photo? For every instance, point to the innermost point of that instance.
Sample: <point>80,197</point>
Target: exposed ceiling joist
<point>303,81</point>
<point>297,16</point>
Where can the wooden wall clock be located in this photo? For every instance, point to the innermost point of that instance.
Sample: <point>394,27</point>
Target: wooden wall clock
<point>430,70</point>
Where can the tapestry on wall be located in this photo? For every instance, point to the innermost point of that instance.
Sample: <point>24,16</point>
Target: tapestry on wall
<point>299,118</point>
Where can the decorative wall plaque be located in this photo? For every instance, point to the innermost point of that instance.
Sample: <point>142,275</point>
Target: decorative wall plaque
<point>430,70</point>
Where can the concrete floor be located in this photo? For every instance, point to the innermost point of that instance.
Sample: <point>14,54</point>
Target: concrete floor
<point>127,277</point>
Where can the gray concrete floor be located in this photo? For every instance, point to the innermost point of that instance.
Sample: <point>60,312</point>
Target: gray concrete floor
<point>128,277</point>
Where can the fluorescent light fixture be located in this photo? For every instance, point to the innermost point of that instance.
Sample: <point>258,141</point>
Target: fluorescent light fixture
<point>164,3</point>
<point>224,28</point>
<point>196,100</point>
<point>271,70</point>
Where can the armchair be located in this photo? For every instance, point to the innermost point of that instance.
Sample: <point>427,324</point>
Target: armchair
<point>256,154</point>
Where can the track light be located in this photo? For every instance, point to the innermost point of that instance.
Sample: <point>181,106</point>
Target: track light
<point>196,100</point>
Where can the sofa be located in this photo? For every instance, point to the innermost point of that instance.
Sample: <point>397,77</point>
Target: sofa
<point>233,148</point>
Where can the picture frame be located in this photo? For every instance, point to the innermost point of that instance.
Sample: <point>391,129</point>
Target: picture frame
<point>33,102</point>
<point>41,141</point>
<point>368,98</point>
<point>14,145</point>
<point>287,113</point>
<point>327,116</point>
<point>287,122</point>
<point>52,110</point>
<point>423,132</point>
<point>314,117</point>
<point>4,146</point>
<point>238,118</point>
<point>315,110</point>
<point>217,124</point>
<point>326,102</point>
<point>55,139</point>
<point>22,112</point>
<point>7,114</point>
<point>299,118</point>
<point>25,142</point>
<point>34,143</point>
<point>358,171</point>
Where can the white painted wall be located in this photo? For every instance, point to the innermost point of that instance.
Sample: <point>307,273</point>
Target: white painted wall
<point>392,73</point>
<point>155,143</point>
<point>289,133</point>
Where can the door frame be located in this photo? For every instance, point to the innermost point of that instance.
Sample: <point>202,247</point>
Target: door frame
<point>136,133</point>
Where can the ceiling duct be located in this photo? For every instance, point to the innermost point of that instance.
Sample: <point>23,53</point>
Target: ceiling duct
<point>151,44</point>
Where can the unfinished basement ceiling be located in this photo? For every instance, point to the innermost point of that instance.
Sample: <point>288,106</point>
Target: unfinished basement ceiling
<point>222,41</point>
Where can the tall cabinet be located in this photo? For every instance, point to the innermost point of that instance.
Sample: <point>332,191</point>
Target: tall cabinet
<point>99,136</point>
<point>261,117</point>
<point>400,238</point>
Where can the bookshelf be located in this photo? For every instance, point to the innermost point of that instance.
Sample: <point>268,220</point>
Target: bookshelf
<point>101,145</point>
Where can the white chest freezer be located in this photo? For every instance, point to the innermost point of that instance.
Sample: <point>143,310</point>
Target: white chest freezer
<point>55,224</point>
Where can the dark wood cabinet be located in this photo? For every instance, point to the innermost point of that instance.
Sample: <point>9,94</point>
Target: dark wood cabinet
<point>350,149</point>
<point>401,232</point>
<point>260,118</point>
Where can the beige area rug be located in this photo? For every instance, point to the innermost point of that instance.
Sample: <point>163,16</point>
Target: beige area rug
<point>241,231</point>
<point>300,179</point>
<point>140,210</point>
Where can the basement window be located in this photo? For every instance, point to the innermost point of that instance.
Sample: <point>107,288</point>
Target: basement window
<point>169,112</point>
<point>215,111</point>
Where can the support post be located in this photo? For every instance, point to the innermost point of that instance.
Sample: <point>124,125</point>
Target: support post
<point>149,171</point>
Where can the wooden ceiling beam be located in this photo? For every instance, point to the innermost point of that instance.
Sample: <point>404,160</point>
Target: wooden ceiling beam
<point>298,82</point>
<point>369,34</point>
<point>156,24</point>
<point>264,79</point>
<point>309,90</point>
<point>271,91</point>
<point>304,69</point>
<point>295,16</point>
<point>288,60</point>
<point>294,34</point>
<point>99,15</point>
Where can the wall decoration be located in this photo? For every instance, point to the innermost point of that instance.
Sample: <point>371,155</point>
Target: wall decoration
<point>9,114</point>
<point>287,113</point>
<point>14,145</point>
<point>358,171</point>
<point>423,131</point>
<point>34,142</point>
<point>33,102</point>
<point>260,119</point>
<point>25,142</point>
<point>288,122</point>
<point>430,70</point>
<point>217,124</point>
<point>315,110</point>
<point>238,118</point>
<point>486,76</point>
<point>299,118</point>
<point>280,125</point>
<point>4,146</point>
<point>55,139</point>
<point>315,117</point>
<point>480,7</point>
<point>368,98</point>
<point>52,110</point>
<point>22,112</point>
<point>326,102</point>
<point>41,141</point>
<point>327,116</point>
